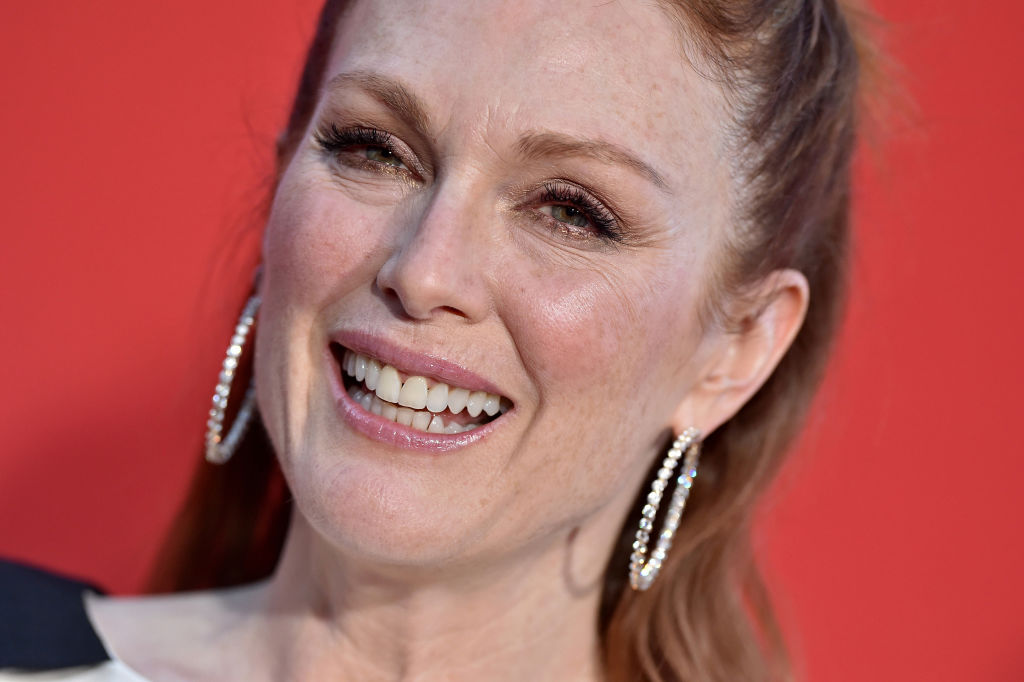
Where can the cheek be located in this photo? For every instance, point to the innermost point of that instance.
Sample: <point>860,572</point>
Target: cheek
<point>315,242</point>
<point>606,337</point>
<point>608,354</point>
<point>316,252</point>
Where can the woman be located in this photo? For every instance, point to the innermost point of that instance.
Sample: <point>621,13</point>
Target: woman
<point>524,261</point>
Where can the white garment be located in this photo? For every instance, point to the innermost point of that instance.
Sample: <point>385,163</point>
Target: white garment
<point>111,671</point>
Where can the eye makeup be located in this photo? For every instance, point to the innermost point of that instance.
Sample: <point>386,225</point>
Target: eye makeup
<point>563,206</point>
<point>600,221</point>
<point>365,148</point>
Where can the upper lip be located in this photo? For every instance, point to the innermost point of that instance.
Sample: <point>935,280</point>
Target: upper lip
<point>414,363</point>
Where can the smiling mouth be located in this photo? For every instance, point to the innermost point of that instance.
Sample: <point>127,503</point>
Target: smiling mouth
<point>421,403</point>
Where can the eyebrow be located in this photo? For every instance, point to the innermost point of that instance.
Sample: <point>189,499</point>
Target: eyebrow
<point>539,145</point>
<point>390,92</point>
<point>403,103</point>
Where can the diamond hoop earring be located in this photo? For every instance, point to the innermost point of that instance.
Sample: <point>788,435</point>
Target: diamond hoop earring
<point>642,574</point>
<point>220,448</point>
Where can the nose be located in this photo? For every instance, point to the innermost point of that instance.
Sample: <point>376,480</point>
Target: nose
<point>437,265</point>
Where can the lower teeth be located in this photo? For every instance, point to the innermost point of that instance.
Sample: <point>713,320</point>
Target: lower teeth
<point>418,419</point>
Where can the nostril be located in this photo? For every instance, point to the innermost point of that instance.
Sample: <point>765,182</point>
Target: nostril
<point>409,307</point>
<point>452,310</point>
<point>393,301</point>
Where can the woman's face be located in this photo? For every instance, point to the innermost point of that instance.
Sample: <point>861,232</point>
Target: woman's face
<point>520,198</point>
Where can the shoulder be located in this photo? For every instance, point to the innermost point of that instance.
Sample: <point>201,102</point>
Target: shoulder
<point>43,623</point>
<point>189,636</point>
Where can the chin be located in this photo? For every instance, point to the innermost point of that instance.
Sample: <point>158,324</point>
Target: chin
<point>370,507</point>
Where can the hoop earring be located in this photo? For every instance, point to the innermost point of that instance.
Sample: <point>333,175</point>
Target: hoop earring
<point>642,574</point>
<point>219,449</point>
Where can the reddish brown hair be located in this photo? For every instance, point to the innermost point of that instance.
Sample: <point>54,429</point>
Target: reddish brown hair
<point>790,68</point>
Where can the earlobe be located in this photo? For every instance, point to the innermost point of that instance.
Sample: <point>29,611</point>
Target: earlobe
<point>745,355</point>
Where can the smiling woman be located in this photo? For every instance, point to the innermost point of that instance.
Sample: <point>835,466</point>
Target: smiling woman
<point>523,263</point>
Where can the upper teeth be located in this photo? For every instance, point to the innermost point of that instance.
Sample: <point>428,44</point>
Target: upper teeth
<point>418,392</point>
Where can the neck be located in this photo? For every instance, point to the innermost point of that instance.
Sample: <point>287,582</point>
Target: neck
<point>331,618</point>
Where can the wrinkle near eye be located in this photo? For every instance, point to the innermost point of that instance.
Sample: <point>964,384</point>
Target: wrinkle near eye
<point>368,188</point>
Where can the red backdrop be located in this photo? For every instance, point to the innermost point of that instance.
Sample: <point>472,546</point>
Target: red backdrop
<point>134,151</point>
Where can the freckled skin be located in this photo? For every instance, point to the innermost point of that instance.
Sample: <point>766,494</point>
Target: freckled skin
<point>485,562</point>
<point>597,345</point>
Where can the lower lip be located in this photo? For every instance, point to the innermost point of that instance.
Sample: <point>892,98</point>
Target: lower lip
<point>386,431</point>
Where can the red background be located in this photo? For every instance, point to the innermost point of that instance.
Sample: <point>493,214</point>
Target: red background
<point>134,151</point>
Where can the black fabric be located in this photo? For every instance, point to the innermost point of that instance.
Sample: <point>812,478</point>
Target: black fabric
<point>43,624</point>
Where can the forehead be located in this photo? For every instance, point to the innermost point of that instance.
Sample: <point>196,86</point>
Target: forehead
<point>608,70</point>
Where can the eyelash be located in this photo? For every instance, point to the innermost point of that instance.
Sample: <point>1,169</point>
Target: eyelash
<point>606,227</point>
<point>605,224</point>
<point>334,140</point>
